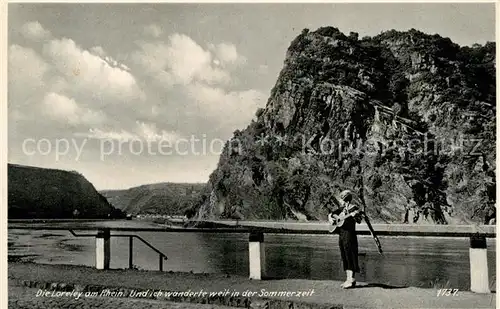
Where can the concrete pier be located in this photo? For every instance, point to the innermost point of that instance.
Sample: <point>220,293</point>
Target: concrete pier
<point>102,249</point>
<point>256,255</point>
<point>479,280</point>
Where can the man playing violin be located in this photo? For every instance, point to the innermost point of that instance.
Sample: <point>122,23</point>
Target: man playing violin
<point>345,219</point>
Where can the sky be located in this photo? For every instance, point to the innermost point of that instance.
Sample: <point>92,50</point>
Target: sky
<point>131,94</point>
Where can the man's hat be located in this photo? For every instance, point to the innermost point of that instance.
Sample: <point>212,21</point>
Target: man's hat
<point>345,195</point>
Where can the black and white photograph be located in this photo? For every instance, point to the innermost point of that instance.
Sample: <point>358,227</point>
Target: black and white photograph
<point>251,155</point>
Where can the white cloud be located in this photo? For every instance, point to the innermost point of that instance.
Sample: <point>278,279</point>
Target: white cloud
<point>124,67</point>
<point>77,88</point>
<point>152,56</point>
<point>112,135</point>
<point>90,73</point>
<point>27,80</point>
<point>26,70</point>
<point>141,131</point>
<point>98,50</point>
<point>111,61</point>
<point>149,132</point>
<point>231,109</point>
<point>61,107</point>
<point>227,54</point>
<point>66,110</point>
<point>58,84</point>
<point>181,61</point>
<point>153,30</point>
<point>34,31</point>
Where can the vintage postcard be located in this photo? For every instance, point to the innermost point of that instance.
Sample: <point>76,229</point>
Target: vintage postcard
<point>256,155</point>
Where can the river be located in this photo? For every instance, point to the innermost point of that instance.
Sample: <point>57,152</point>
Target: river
<point>407,261</point>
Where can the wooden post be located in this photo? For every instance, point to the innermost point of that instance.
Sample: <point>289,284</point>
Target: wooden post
<point>102,249</point>
<point>256,255</point>
<point>160,262</point>
<point>130,252</point>
<point>479,281</point>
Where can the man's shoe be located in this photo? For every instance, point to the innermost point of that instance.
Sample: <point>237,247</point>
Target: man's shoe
<point>348,284</point>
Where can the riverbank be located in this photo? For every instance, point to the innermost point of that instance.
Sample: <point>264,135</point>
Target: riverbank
<point>315,294</point>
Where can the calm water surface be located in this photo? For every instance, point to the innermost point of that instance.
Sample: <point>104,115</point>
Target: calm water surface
<point>407,261</point>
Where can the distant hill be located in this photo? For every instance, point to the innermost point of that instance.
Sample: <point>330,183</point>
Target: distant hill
<point>160,198</point>
<point>50,193</point>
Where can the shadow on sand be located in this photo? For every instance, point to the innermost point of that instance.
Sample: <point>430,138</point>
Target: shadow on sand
<point>378,285</point>
<point>359,285</point>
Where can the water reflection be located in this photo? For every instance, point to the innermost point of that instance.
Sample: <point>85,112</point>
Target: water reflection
<point>228,255</point>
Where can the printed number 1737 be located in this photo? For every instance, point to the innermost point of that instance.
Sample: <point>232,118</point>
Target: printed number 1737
<point>447,292</point>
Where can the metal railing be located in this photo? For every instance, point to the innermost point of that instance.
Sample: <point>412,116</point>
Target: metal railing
<point>162,256</point>
<point>257,229</point>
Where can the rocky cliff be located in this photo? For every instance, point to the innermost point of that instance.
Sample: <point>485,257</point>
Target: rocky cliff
<point>53,194</point>
<point>405,120</point>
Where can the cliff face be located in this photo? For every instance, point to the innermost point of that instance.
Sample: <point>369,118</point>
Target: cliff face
<point>49,193</point>
<point>405,120</point>
<point>159,198</point>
